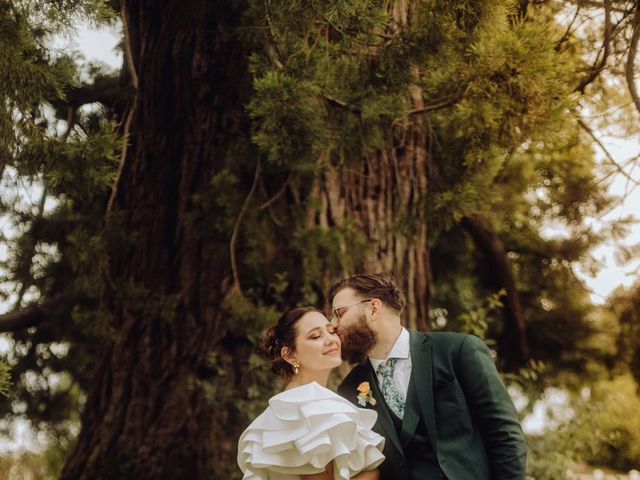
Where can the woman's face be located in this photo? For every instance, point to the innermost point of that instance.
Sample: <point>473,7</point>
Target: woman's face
<point>317,344</point>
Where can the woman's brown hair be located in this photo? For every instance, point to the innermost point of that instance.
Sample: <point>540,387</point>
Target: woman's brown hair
<point>282,334</point>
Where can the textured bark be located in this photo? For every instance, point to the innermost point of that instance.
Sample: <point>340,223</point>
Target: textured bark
<point>146,416</point>
<point>512,343</point>
<point>384,196</point>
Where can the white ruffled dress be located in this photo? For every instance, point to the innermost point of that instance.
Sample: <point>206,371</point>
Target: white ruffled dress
<point>305,428</point>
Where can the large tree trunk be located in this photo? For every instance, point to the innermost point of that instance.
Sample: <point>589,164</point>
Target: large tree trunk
<point>512,343</point>
<point>384,198</point>
<point>146,415</point>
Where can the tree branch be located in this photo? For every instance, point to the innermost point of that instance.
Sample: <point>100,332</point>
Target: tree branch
<point>272,47</point>
<point>599,65</point>
<point>105,89</point>
<point>633,50</point>
<point>437,104</point>
<point>128,54</point>
<point>523,5</point>
<point>341,104</point>
<point>565,37</point>
<point>123,158</point>
<point>612,160</point>
<point>513,342</point>
<point>71,121</point>
<point>236,228</point>
<point>591,3</point>
<point>277,195</point>
<point>268,203</point>
<point>30,316</point>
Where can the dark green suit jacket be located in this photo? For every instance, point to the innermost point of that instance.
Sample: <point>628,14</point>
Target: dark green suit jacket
<point>469,417</point>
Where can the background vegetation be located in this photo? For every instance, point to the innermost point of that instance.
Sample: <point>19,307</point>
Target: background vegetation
<point>248,154</point>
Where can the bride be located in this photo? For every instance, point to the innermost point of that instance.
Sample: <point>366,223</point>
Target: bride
<point>308,431</point>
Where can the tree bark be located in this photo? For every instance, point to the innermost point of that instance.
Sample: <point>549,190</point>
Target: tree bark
<point>384,197</point>
<point>146,415</point>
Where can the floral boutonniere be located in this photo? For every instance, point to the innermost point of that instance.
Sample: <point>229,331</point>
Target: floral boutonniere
<point>365,396</point>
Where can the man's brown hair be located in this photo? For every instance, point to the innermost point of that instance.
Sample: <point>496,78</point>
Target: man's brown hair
<point>372,285</point>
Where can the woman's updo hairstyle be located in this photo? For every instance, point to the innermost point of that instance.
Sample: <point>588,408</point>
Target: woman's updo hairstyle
<point>282,334</point>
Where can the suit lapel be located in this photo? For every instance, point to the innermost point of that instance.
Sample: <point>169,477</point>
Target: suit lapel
<point>411,412</point>
<point>384,417</point>
<point>422,378</point>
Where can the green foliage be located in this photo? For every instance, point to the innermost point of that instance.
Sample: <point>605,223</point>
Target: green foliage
<point>476,321</point>
<point>81,169</point>
<point>603,430</point>
<point>5,378</point>
<point>288,119</point>
<point>549,457</point>
<point>332,82</point>
<point>608,426</point>
<point>624,307</point>
<point>322,255</point>
<point>55,249</point>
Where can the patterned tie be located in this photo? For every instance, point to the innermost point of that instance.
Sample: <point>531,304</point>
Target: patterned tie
<point>389,390</point>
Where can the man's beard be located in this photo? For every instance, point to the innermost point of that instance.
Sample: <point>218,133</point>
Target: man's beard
<point>357,340</point>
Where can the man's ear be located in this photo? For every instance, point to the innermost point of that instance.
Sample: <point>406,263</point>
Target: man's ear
<point>376,306</point>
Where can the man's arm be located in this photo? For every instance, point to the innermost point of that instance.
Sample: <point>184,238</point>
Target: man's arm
<point>492,410</point>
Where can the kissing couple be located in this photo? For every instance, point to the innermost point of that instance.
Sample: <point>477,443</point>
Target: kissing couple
<point>415,406</point>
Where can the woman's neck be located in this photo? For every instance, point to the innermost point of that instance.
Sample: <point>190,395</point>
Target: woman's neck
<point>304,377</point>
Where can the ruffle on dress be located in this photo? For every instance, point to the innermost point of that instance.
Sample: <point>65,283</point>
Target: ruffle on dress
<point>304,429</point>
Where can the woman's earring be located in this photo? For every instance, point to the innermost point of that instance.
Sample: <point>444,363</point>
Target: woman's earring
<point>296,367</point>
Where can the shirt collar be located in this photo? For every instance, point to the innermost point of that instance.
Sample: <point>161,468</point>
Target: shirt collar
<point>400,349</point>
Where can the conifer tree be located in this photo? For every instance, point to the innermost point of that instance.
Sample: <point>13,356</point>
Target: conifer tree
<point>248,154</point>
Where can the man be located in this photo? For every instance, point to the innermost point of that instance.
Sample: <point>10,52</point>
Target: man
<point>440,402</point>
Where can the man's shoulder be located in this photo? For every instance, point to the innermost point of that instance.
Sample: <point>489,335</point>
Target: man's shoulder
<point>444,339</point>
<point>449,344</point>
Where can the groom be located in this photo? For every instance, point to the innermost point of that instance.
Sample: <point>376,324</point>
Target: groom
<point>441,405</point>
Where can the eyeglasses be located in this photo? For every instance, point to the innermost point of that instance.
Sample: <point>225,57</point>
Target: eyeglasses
<point>338,312</point>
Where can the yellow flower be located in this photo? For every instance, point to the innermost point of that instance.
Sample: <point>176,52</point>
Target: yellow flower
<point>364,388</point>
<point>365,396</point>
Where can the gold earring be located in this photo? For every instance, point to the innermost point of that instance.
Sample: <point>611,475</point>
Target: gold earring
<point>296,367</point>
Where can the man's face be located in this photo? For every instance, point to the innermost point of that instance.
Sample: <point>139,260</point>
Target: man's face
<point>350,321</point>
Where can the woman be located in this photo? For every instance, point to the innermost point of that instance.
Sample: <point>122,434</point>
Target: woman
<point>307,431</point>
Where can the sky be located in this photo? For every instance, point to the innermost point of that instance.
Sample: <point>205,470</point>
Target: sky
<point>612,274</point>
<point>101,46</point>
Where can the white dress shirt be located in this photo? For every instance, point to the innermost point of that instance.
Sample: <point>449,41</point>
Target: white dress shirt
<point>402,370</point>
